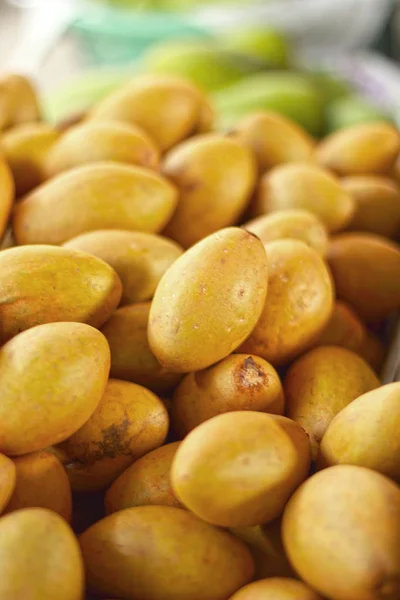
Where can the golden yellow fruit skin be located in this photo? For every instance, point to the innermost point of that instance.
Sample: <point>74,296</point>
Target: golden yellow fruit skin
<point>103,195</point>
<point>276,588</point>
<point>274,139</point>
<point>163,553</point>
<point>95,476</point>
<point>147,481</point>
<point>43,284</point>
<point>208,301</point>
<point>7,480</point>
<point>373,351</point>
<point>298,305</point>
<point>52,378</point>
<point>39,557</point>
<point>140,259</point>
<point>168,108</point>
<point>344,329</point>
<point>238,382</point>
<point>367,148</point>
<point>26,148</point>
<point>296,224</point>
<point>321,383</point>
<point>93,142</point>
<point>18,101</point>
<point>355,512</point>
<point>7,192</point>
<point>41,482</point>
<point>365,433</point>
<point>215,176</point>
<point>366,271</point>
<point>131,356</point>
<point>221,475</point>
<point>305,186</point>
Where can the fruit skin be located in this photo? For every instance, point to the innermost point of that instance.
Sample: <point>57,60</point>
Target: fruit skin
<point>366,271</point>
<point>330,511</point>
<point>163,553</point>
<point>276,588</point>
<point>140,259</point>
<point>366,148</point>
<point>344,329</point>
<point>212,172</point>
<point>364,433</point>
<point>373,351</point>
<point>208,301</point>
<point>297,224</point>
<point>43,284</point>
<point>298,305</point>
<point>169,108</point>
<point>220,474</point>
<point>7,480</point>
<point>128,422</point>
<point>377,204</point>
<point>305,186</point>
<point>52,378</point>
<point>274,139</point>
<point>147,481</point>
<point>18,101</point>
<point>350,110</point>
<point>41,481</point>
<point>39,557</point>
<point>7,192</point>
<point>320,384</point>
<point>268,45</point>
<point>26,148</point>
<point>238,382</point>
<point>103,195</point>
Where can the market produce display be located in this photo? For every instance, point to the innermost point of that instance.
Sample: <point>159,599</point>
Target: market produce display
<point>194,322</point>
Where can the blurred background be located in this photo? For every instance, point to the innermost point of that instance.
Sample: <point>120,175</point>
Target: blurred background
<point>325,63</point>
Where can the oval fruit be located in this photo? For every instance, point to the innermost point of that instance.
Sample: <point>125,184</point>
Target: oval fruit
<point>208,301</point>
<point>213,173</point>
<point>147,481</point>
<point>39,557</point>
<point>41,482</point>
<point>221,474</point>
<point>140,259</point>
<point>298,306</point>
<point>7,191</point>
<point>131,357</point>
<point>238,382</point>
<point>163,553</point>
<point>366,561</point>
<point>52,378</point>
<point>276,588</point>
<point>102,195</point>
<point>93,142</point>
<point>344,329</point>
<point>366,148</point>
<point>44,284</point>
<point>305,186</point>
<point>18,101</point>
<point>321,383</point>
<point>364,433</point>
<point>274,139</point>
<point>297,224</point>
<point>7,480</point>
<point>366,271</point>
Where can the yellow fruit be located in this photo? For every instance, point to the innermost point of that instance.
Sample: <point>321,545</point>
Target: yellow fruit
<point>365,148</point>
<point>18,101</point>
<point>297,224</point>
<point>44,284</point>
<point>102,195</point>
<point>147,481</point>
<point>52,378</point>
<point>208,301</point>
<point>305,186</point>
<point>131,357</point>
<point>238,382</point>
<point>7,191</point>
<point>7,480</point>
<point>344,329</point>
<point>39,557</point>
<point>140,259</point>
<point>163,553</point>
<point>373,351</point>
<point>321,383</point>
<point>41,482</point>
<point>220,471</point>
<point>298,306</point>
<point>215,176</point>
<point>341,530</point>
<point>276,588</point>
<point>366,271</point>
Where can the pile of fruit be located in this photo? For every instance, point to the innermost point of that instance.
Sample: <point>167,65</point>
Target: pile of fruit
<point>190,322</point>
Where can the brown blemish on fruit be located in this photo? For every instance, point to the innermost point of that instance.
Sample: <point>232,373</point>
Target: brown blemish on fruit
<point>249,376</point>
